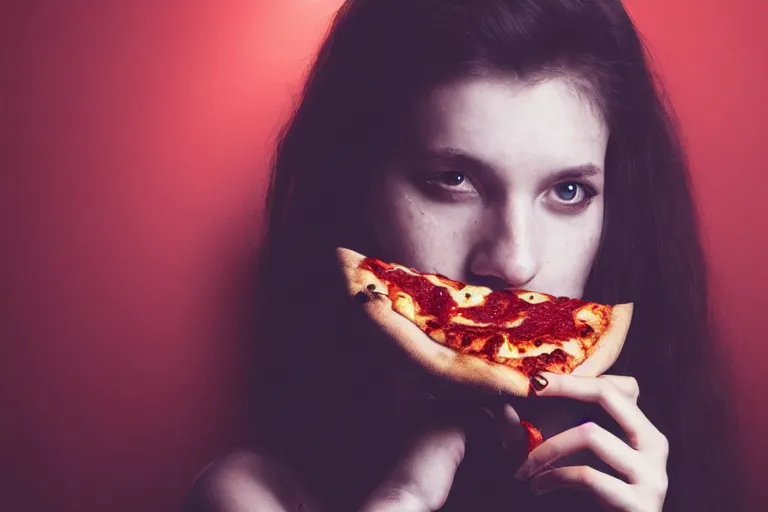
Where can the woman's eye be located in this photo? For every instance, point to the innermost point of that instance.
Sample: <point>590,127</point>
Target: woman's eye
<point>450,185</point>
<point>568,191</point>
<point>573,193</point>
<point>450,178</point>
<point>572,196</point>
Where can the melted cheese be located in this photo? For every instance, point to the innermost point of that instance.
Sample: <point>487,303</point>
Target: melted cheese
<point>471,296</point>
<point>404,305</point>
<point>510,351</point>
<point>588,315</point>
<point>460,320</point>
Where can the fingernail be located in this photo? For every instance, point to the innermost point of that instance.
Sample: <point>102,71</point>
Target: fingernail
<point>538,382</point>
<point>523,472</point>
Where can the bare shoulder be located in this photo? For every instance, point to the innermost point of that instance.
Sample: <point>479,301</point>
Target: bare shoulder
<point>244,480</point>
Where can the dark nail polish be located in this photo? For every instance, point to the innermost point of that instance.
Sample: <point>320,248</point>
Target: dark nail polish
<point>538,382</point>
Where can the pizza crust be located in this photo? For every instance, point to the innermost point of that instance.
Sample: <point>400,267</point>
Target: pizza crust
<point>439,360</point>
<point>611,342</point>
<point>446,363</point>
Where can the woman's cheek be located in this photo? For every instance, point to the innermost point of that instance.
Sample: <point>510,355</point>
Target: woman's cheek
<point>569,249</point>
<point>426,236</point>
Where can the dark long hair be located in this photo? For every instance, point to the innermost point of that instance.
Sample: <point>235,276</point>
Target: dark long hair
<point>379,58</point>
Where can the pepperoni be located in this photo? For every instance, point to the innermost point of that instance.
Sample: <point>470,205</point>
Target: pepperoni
<point>535,437</point>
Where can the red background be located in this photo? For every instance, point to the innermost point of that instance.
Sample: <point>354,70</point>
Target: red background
<point>138,135</point>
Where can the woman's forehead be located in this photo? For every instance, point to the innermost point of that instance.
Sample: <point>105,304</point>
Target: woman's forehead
<point>509,123</point>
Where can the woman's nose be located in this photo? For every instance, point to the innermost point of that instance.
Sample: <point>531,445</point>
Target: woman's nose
<point>506,254</point>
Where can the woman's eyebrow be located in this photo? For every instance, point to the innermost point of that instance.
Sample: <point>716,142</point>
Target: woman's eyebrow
<point>453,158</point>
<point>579,171</point>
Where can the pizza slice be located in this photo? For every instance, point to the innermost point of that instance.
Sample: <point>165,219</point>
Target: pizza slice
<point>493,340</point>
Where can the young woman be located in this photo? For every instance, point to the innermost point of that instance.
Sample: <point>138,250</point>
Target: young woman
<point>510,143</point>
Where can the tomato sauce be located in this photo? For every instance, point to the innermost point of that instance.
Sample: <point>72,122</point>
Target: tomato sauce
<point>545,322</point>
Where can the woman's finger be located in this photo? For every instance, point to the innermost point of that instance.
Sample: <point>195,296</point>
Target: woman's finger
<point>511,434</point>
<point>612,492</point>
<point>589,436</point>
<point>641,433</point>
<point>627,385</point>
<point>421,481</point>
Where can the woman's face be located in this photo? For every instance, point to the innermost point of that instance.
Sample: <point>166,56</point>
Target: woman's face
<point>502,186</point>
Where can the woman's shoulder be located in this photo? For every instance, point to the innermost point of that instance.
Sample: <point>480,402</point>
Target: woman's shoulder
<point>246,480</point>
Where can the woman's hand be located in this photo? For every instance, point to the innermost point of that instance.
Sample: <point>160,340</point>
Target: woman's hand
<point>422,479</point>
<point>642,459</point>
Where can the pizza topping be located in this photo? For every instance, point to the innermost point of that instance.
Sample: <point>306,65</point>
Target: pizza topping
<point>545,362</point>
<point>517,333</point>
<point>492,347</point>
<point>535,438</point>
<point>518,319</point>
<point>535,331</point>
